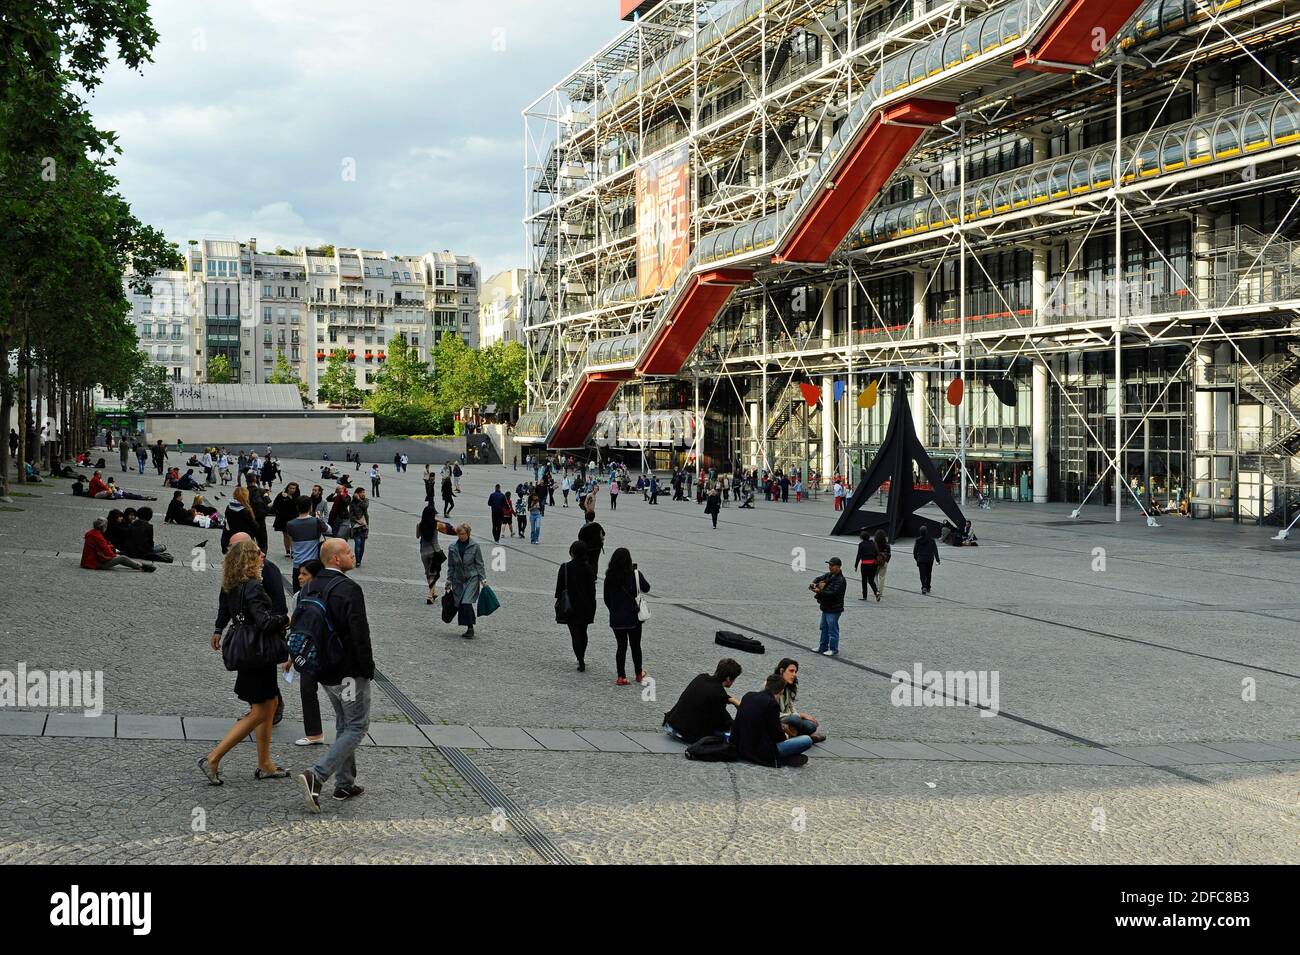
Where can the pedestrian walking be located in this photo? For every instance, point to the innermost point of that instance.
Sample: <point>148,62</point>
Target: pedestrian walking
<point>534,520</point>
<point>926,554</point>
<point>575,583</point>
<point>313,730</point>
<point>359,512</point>
<point>712,505</point>
<point>255,683</point>
<point>432,556</point>
<point>592,536</point>
<point>497,505</point>
<point>613,495</point>
<point>457,472</point>
<point>465,577</point>
<point>346,679</point>
<point>865,563</point>
<point>448,497</point>
<point>374,478</point>
<point>565,487</point>
<point>883,554</point>
<point>285,508</point>
<point>624,585</point>
<point>305,533</point>
<point>122,450</point>
<point>829,589</point>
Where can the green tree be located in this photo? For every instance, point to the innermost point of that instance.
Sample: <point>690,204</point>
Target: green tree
<point>285,374</point>
<point>404,399</point>
<point>219,371</point>
<point>505,366</point>
<point>151,390</point>
<point>462,381</point>
<point>338,386</point>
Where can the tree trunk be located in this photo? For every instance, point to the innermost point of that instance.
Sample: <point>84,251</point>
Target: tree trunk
<point>6,408</point>
<point>23,412</point>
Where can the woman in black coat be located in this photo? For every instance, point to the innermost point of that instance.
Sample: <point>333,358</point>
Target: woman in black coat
<point>286,510</point>
<point>712,505</point>
<point>623,583</point>
<point>574,578</point>
<point>239,518</point>
<point>866,563</point>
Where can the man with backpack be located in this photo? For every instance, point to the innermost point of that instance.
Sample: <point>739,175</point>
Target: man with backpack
<point>345,668</point>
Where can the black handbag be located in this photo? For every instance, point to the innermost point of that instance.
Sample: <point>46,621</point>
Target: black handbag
<point>563,605</point>
<point>244,647</point>
<point>449,607</point>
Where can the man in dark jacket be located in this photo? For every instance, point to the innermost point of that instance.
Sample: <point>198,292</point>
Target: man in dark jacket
<point>346,682</point>
<point>829,590</point>
<point>757,733</point>
<point>701,710</point>
<point>593,536</point>
<point>497,503</point>
<point>926,554</point>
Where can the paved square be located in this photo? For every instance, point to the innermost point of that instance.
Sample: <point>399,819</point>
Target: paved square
<point>1161,660</point>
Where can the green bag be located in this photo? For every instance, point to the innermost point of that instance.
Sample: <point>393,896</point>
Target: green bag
<point>487,601</point>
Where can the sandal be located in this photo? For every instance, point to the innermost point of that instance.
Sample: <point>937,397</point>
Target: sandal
<point>277,773</point>
<point>214,778</point>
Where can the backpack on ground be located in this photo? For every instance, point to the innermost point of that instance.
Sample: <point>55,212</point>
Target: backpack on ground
<point>712,749</point>
<point>738,641</point>
<point>313,645</point>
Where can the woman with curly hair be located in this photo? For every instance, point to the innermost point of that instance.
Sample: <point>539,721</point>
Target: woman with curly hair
<point>241,588</point>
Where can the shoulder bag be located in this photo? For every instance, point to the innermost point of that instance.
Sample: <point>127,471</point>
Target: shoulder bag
<point>563,605</point>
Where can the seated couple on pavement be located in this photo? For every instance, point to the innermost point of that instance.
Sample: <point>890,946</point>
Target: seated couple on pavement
<point>767,728</point>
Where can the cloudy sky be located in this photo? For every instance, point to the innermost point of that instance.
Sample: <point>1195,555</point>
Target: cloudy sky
<point>246,120</point>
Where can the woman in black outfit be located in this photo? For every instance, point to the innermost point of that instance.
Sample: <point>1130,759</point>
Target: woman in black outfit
<point>241,587</point>
<point>866,563</point>
<point>239,517</point>
<point>575,579</point>
<point>285,508</point>
<point>448,497</point>
<point>623,582</point>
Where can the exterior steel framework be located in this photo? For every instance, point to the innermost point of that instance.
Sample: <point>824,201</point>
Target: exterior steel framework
<point>989,254</point>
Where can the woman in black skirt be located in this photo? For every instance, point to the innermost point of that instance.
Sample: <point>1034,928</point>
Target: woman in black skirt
<point>242,588</point>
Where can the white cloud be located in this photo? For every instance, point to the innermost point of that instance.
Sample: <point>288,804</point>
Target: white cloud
<point>241,124</point>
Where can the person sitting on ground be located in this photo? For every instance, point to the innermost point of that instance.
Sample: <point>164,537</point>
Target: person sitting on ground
<point>140,541</point>
<point>97,487</point>
<point>116,530</point>
<point>119,494</point>
<point>176,511</point>
<point>795,723</point>
<point>187,482</point>
<point>202,508</point>
<point>757,732</point>
<point>98,554</point>
<point>701,710</point>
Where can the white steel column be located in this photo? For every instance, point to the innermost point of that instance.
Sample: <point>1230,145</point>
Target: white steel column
<point>1040,431</point>
<point>828,393</point>
<point>920,379</point>
<point>1119,286</point>
<point>961,310</point>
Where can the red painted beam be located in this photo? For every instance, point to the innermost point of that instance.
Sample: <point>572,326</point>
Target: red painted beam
<point>588,402</point>
<point>865,168</point>
<point>700,303</point>
<point>1083,29</point>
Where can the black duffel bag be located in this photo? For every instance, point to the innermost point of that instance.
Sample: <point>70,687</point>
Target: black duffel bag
<point>738,641</point>
<point>712,749</point>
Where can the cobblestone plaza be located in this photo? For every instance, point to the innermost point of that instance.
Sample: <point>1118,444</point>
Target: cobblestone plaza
<point>1146,713</point>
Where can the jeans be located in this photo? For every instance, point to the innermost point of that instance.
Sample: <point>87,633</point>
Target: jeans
<point>804,727</point>
<point>830,632</point>
<point>351,720</point>
<point>535,528</point>
<point>359,546</point>
<point>792,747</point>
<point>310,705</point>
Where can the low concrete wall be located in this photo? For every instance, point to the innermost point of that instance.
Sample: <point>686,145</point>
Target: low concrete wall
<point>421,452</point>
<point>257,429</point>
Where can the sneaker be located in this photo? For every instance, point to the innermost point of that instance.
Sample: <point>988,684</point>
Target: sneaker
<point>582,667</point>
<point>877,598</point>
<point>819,737</point>
<point>798,759</point>
<point>469,633</point>
<point>830,653</point>
<point>640,677</point>
<point>308,741</point>
<point>148,568</point>
<point>311,788</point>
<point>348,792</point>
<point>621,681</point>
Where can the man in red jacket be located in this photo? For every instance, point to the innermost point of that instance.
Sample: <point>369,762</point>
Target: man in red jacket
<point>98,554</point>
<point>97,487</point>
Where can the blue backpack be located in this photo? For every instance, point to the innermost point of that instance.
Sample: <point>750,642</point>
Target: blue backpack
<point>313,645</point>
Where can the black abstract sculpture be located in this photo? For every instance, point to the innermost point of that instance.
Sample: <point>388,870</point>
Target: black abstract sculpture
<point>893,463</point>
